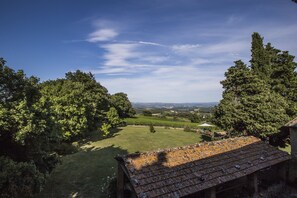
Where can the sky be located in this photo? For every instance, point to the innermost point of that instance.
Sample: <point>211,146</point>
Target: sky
<point>153,50</point>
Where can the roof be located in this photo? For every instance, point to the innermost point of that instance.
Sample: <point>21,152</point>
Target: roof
<point>185,170</point>
<point>292,123</point>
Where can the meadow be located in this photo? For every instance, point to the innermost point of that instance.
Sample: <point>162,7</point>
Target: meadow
<point>88,172</point>
<point>158,121</point>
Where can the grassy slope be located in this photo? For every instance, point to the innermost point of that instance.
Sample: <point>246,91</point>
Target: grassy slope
<point>146,120</point>
<point>87,172</point>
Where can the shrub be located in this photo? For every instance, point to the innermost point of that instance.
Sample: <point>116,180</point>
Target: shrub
<point>147,113</point>
<point>152,129</point>
<point>19,179</point>
<point>187,128</point>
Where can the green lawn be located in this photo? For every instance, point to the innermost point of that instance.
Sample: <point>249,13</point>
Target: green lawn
<point>287,149</point>
<point>146,120</point>
<point>87,172</point>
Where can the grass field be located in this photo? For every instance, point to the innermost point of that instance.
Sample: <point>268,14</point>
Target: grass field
<point>287,149</point>
<point>88,172</point>
<point>156,121</point>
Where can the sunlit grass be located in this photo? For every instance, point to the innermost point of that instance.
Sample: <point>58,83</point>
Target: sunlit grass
<point>286,149</point>
<point>88,172</point>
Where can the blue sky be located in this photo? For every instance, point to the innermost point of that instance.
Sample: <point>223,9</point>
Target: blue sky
<point>153,50</point>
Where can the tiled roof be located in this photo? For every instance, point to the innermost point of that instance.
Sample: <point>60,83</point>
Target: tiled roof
<point>185,170</point>
<point>292,123</point>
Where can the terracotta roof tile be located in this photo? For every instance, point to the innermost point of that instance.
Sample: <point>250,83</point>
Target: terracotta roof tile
<point>185,170</point>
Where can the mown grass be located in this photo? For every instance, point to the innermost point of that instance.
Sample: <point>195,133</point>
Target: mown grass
<point>286,149</point>
<point>88,172</point>
<point>157,121</point>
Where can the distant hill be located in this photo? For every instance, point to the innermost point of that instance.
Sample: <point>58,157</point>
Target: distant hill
<point>160,105</point>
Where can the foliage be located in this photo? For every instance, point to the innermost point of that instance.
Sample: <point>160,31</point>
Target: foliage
<point>187,128</point>
<point>19,179</point>
<point>196,117</point>
<point>79,104</point>
<point>147,113</point>
<point>122,104</point>
<point>28,133</point>
<point>105,128</point>
<point>260,99</point>
<point>35,117</point>
<point>152,128</point>
<point>113,117</point>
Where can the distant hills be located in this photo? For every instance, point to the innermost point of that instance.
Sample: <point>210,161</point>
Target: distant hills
<point>158,105</point>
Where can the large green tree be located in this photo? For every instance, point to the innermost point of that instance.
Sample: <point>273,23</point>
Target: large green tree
<point>248,105</point>
<point>122,104</point>
<point>259,99</point>
<point>78,102</point>
<point>27,134</point>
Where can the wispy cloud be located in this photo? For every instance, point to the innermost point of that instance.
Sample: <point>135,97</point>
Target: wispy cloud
<point>119,54</point>
<point>185,47</point>
<point>102,35</point>
<point>174,69</point>
<point>150,43</point>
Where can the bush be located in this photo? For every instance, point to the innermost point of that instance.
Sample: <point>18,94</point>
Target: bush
<point>187,128</point>
<point>19,179</point>
<point>147,113</point>
<point>152,129</point>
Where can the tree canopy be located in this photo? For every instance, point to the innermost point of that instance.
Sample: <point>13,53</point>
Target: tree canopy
<point>27,134</point>
<point>36,117</point>
<point>259,99</point>
<point>122,104</point>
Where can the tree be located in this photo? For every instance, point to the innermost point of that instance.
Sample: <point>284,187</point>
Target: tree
<point>122,104</point>
<point>248,105</point>
<point>152,128</point>
<point>113,117</point>
<point>27,134</point>
<point>277,68</point>
<point>79,104</point>
<point>284,79</point>
<point>260,58</point>
<point>147,113</point>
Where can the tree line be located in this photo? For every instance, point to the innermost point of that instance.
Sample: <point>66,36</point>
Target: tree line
<point>260,98</point>
<point>36,117</point>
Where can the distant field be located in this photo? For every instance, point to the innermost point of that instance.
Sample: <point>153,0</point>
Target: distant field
<point>156,121</point>
<point>88,172</point>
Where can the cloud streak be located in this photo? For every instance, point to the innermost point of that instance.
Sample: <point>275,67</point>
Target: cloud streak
<point>102,35</point>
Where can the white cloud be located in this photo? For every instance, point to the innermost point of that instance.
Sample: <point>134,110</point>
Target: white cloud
<point>185,47</point>
<point>170,84</point>
<point>180,72</point>
<point>102,35</point>
<point>150,43</point>
<point>118,54</point>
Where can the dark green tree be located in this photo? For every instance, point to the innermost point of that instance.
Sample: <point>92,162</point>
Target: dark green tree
<point>113,117</point>
<point>147,112</point>
<point>122,104</point>
<point>248,105</point>
<point>28,135</point>
<point>79,104</point>
<point>152,128</point>
<point>260,58</point>
<point>284,79</point>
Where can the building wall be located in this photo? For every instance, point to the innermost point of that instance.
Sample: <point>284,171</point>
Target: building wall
<point>293,163</point>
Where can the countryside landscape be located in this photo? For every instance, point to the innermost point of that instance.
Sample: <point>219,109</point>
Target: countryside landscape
<point>148,99</point>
